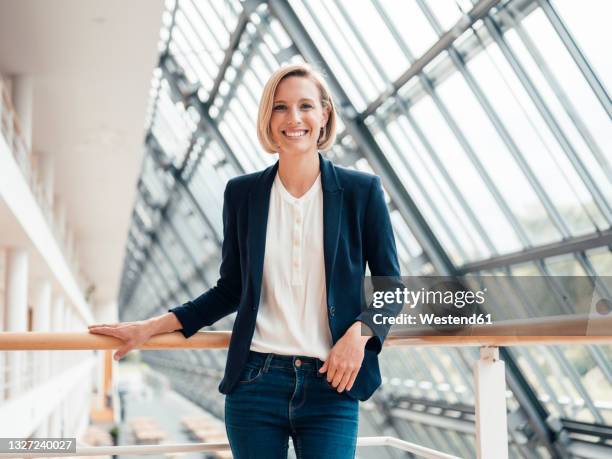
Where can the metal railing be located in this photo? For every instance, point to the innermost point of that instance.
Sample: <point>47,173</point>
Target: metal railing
<point>137,450</point>
<point>489,376</point>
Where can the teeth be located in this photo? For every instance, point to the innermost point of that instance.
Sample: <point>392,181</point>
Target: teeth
<point>295,134</point>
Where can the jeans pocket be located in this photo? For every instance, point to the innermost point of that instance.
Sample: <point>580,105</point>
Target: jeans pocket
<point>329,386</point>
<point>250,373</point>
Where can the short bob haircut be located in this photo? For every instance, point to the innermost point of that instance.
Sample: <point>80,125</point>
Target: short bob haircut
<point>328,134</point>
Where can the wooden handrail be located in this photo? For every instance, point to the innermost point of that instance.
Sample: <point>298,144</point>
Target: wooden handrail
<point>566,329</point>
<point>19,341</point>
<point>494,341</point>
<point>38,341</point>
<point>563,329</point>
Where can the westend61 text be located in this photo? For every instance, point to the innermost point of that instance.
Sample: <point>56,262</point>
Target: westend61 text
<point>432,319</point>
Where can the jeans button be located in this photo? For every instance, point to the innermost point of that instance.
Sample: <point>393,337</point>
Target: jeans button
<point>298,363</point>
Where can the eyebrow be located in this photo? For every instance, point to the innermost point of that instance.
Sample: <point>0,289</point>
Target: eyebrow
<point>301,100</point>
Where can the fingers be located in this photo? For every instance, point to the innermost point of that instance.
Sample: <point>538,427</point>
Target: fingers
<point>346,379</point>
<point>122,351</point>
<point>116,331</point>
<point>335,371</point>
<point>109,331</point>
<point>331,372</point>
<point>349,386</point>
<point>338,376</point>
<point>102,325</point>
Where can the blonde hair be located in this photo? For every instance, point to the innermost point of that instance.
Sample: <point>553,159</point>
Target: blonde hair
<point>327,137</point>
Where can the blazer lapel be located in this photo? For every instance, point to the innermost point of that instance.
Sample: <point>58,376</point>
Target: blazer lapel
<point>259,204</point>
<point>332,213</point>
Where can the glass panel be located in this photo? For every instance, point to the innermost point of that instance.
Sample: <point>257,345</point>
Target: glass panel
<point>588,22</point>
<point>475,192</point>
<point>532,136</point>
<point>578,208</point>
<point>579,94</point>
<point>422,188</point>
<point>495,157</point>
<point>375,34</point>
<point>410,22</point>
<point>340,62</point>
<point>447,12</point>
<point>601,258</point>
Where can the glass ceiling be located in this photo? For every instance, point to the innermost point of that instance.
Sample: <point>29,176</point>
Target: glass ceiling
<point>492,137</point>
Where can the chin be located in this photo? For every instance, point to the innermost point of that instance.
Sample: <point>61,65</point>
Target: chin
<point>300,149</point>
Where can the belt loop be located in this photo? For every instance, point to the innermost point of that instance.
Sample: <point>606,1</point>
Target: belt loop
<point>267,362</point>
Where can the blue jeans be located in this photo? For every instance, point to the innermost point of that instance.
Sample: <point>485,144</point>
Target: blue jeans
<point>285,396</point>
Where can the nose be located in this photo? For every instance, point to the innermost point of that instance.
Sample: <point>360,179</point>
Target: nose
<point>294,115</point>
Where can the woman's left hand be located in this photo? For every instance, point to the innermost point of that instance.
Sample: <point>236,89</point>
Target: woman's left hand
<point>345,358</point>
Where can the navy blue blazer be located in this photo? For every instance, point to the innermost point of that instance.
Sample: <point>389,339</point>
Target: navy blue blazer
<point>357,230</point>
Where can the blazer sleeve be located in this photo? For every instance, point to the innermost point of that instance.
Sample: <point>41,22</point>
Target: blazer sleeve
<point>381,256</point>
<point>222,299</point>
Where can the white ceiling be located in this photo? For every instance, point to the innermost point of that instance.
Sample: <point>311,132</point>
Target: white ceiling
<point>92,62</point>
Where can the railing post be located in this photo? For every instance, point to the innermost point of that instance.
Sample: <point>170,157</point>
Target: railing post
<point>490,397</point>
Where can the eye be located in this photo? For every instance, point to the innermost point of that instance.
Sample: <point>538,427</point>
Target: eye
<point>278,107</point>
<point>307,106</point>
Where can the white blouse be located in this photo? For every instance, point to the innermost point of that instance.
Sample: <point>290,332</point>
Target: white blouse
<point>292,317</point>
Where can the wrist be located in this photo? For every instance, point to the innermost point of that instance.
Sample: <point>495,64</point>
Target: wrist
<point>152,325</point>
<point>160,324</point>
<point>362,332</point>
<point>165,323</point>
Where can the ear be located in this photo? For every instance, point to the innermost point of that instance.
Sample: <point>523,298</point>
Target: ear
<point>325,117</point>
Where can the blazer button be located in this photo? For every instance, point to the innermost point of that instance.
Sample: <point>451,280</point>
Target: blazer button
<point>332,310</point>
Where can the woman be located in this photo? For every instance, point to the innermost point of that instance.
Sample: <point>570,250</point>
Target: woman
<point>297,237</point>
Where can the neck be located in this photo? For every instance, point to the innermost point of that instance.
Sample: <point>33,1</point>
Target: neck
<point>298,172</point>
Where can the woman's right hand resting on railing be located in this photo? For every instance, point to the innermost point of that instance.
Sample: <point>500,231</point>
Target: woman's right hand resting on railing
<point>133,334</point>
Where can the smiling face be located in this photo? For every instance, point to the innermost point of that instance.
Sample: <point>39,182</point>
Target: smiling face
<point>297,116</point>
